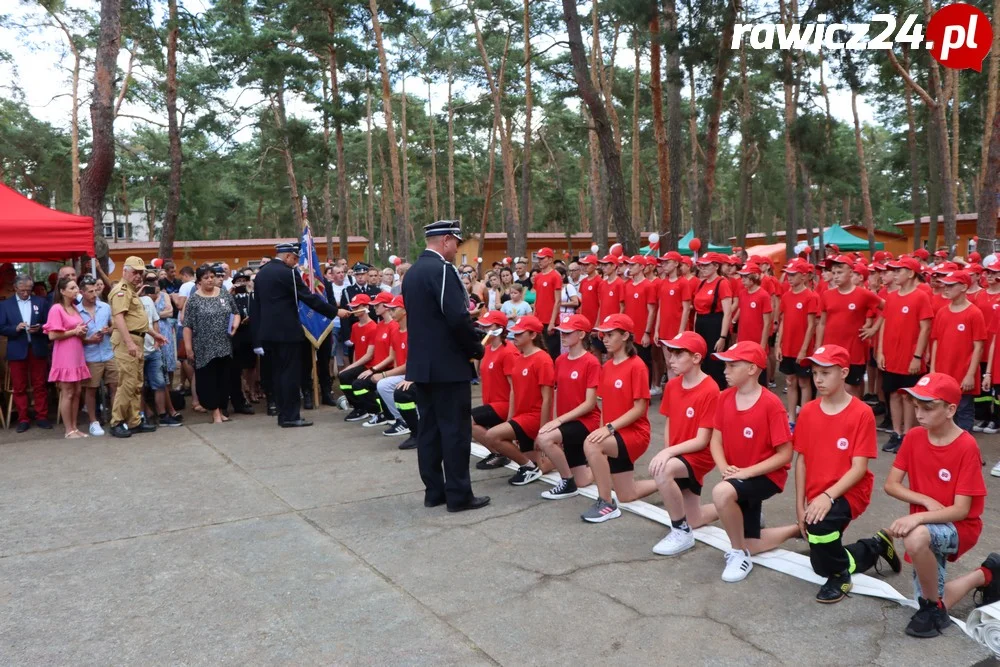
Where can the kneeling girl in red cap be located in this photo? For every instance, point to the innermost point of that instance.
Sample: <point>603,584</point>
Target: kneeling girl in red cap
<point>689,403</point>
<point>613,448</point>
<point>494,374</point>
<point>577,375</point>
<point>532,375</point>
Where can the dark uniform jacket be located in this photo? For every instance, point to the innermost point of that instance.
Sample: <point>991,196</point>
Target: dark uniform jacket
<point>274,315</point>
<point>440,333</point>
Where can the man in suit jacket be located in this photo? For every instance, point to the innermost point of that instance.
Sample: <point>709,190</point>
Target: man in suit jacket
<point>442,341</point>
<point>21,320</point>
<point>276,331</point>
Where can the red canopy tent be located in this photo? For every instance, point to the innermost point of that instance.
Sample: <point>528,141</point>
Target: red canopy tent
<point>31,232</point>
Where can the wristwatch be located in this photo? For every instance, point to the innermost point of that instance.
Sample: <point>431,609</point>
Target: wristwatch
<point>610,427</point>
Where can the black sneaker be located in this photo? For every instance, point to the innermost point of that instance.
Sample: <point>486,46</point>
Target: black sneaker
<point>356,415</point>
<point>492,462</point>
<point>397,428</point>
<point>870,399</point>
<point>409,443</point>
<point>929,620</point>
<point>376,420</point>
<point>894,443</point>
<point>526,474</point>
<point>879,409</point>
<point>144,427</point>
<point>566,488</point>
<point>121,430</point>
<point>887,551</point>
<point>835,589</point>
<point>167,420</point>
<point>482,464</point>
<point>886,425</point>
<point>989,593</point>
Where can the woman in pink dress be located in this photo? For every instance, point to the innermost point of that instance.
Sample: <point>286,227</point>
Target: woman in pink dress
<point>67,329</point>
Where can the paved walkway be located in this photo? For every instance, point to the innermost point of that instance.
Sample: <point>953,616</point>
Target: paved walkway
<point>247,544</point>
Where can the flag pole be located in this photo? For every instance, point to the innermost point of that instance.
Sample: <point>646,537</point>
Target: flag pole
<point>312,282</point>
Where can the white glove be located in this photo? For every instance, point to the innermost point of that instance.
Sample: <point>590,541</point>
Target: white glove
<point>259,351</point>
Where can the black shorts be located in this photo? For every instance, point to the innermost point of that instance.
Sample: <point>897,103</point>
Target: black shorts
<point>791,367</point>
<point>688,483</point>
<point>620,463</point>
<point>856,375</point>
<point>750,496</point>
<point>893,382</point>
<point>485,416</point>
<point>573,435</point>
<point>525,443</point>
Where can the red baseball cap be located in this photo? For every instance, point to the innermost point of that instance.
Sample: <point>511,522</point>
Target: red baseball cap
<point>956,278</point>
<point>904,262</point>
<point>545,252</point>
<point>651,260</point>
<point>861,270</point>
<point>689,341</point>
<point>571,323</point>
<point>617,321</point>
<point>636,259</point>
<point>382,299</point>
<point>834,247</point>
<point>936,387</point>
<point>879,266</point>
<point>945,267</point>
<point>527,323</point>
<point>713,257</point>
<point>492,318</point>
<point>942,253</point>
<point>747,351</point>
<point>360,300</point>
<point>991,262</point>
<point>761,259</point>
<point>974,267</point>
<point>975,257</point>
<point>589,259</point>
<point>751,269</point>
<point>840,259</point>
<point>687,261</point>
<point>829,355</point>
<point>922,254</point>
<point>798,266</point>
<point>672,256</point>
<point>609,259</point>
<point>397,302</point>
<point>881,255</point>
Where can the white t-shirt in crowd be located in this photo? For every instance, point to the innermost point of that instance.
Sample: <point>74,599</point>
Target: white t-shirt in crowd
<point>186,289</point>
<point>149,344</point>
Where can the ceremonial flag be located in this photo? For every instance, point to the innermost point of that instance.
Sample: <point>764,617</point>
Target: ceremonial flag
<point>316,326</point>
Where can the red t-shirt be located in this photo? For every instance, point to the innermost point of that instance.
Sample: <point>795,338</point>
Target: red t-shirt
<point>688,410</point>
<point>573,378</point>
<point>621,385</point>
<point>548,287</point>
<point>954,333</point>
<point>383,341</point>
<point>925,288</point>
<point>363,335</point>
<point>938,302</point>
<point>753,307</point>
<point>637,299</point>
<point>829,442</point>
<point>397,339</point>
<point>845,316</point>
<point>590,304</point>
<point>610,298</point>
<point>795,311</point>
<point>672,295</point>
<point>943,472</point>
<point>528,375</point>
<point>751,436</point>
<point>989,304</point>
<point>704,294</point>
<point>901,329</point>
<point>772,285</point>
<point>494,369</point>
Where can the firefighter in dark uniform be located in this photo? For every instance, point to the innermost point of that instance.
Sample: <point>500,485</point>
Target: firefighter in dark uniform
<point>276,331</point>
<point>442,341</point>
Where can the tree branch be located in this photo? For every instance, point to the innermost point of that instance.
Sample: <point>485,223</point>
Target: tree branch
<point>128,76</point>
<point>914,86</point>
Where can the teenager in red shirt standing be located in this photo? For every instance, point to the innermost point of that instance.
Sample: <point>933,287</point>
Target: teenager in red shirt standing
<point>609,297</point>
<point>590,289</point>
<point>494,373</point>
<point>843,319</point>
<point>713,306</point>
<point>674,307</point>
<point>754,311</point>
<point>796,328</point>
<point>613,449</point>
<point>903,345</point>
<point>958,335</point>
<point>689,403</point>
<point>577,376</point>
<point>639,303</point>
<point>548,288</point>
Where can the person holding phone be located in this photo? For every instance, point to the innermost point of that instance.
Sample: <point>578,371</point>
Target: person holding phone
<point>21,320</point>
<point>96,350</point>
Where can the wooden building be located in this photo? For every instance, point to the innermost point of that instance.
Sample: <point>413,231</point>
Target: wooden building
<point>894,242</point>
<point>965,229</point>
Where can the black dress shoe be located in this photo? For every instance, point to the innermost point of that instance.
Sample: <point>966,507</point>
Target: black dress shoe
<point>296,424</point>
<point>307,402</point>
<point>43,423</point>
<point>433,503</point>
<point>272,410</point>
<point>23,426</point>
<point>244,410</point>
<point>120,431</point>
<point>144,427</point>
<point>409,443</point>
<point>473,503</point>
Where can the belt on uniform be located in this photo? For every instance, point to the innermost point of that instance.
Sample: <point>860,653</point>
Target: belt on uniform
<point>138,333</point>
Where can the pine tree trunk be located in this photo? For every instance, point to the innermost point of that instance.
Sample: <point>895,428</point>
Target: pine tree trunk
<point>789,16</point>
<point>169,231</point>
<point>598,200</point>
<point>866,199</point>
<point>432,187</point>
<point>405,157</point>
<point>955,138</point>
<point>674,137</point>
<point>343,212</point>
<point>635,131</point>
<point>947,181</point>
<point>278,110</point>
<point>992,85</point>
<point>747,151</point>
<point>74,149</point>
<point>397,186</point>
<point>692,184</point>
<point>987,224</point>
<point>95,178</point>
<point>451,149</point>
<point>659,129</point>
<point>525,226</point>
<point>371,178</point>
<point>911,143</point>
<point>488,197</point>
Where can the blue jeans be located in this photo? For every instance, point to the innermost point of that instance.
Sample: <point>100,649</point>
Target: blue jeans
<point>944,542</point>
<point>965,416</point>
<point>153,371</point>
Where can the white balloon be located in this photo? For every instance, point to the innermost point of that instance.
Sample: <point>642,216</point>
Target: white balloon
<point>654,238</point>
<point>594,248</point>
<point>392,259</point>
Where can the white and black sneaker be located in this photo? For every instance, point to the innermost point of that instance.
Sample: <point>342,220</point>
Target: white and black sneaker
<point>526,474</point>
<point>738,566</point>
<point>978,426</point>
<point>376,420</point>
<point>566,488</point>
<point>397,428</point>
<point>991,428</point>
<point>356,415</point>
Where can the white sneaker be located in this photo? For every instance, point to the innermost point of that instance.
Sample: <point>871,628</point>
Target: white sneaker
<point>991,428</point>
<point>676,541</point>
<point>342,403</point>
<point>978,426</point>
<point>738,566</point>
<point>95,429</point>
<point>995,470</point>
<point>655,391</point>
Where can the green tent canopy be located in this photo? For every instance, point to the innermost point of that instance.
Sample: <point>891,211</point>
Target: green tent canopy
<point>845,240</point>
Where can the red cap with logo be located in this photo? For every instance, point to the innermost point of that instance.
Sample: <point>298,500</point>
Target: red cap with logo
<point>527,323</point>
<point>672,256</point>
<point>921,254</point>
<point>571,323</point>
<point>761,259</point>
<point>905,262</point>
<point>798,266</point>
<point>492,318</point>
<point>360,301</point>
<point>382,298</point>
<point>617,321</point>
<point>686,261</point>
<point>943,254</point>
<point>713,257</point>
<point>588,259</point>
<point>861,270</point>
<point>956,278</point>
<point>687,340</point>
<point>545,252</point>
<point>944,267</point>
<point>975,257</point>
<point>397,302</point>
<point>974,267</point>
<point>751,269</point>
<point>936,387</point>
<point>636,259</point>
<point>747,351</point>
<point>609,259</point>
<point>829,355</point>
<point>840,259</point>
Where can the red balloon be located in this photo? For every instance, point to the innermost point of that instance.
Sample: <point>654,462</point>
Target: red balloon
<point>654,246</point>
<point>695,245</point>
<point>157,262</point>
<point>975,239</point>
<point>617,250</point>
<point>808,250</point>
<point>398,261</point>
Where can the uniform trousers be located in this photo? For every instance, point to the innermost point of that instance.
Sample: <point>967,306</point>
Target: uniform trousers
<point>128,397</point>
<point>444,441</point>
<point>827,552</point>
<point>286,378</point>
